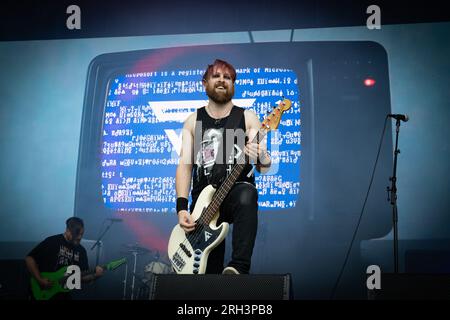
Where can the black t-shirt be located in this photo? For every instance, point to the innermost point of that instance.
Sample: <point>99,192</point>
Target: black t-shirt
<point>56,252</point>
<point>206,145</point>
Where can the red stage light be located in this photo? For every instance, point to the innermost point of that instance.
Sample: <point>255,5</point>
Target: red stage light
<point>369,82</point>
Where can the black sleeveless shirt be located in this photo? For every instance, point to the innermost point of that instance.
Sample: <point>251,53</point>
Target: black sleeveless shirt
<point>207,141</point>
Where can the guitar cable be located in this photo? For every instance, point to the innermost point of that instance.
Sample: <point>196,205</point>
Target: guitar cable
<point>333,292</point>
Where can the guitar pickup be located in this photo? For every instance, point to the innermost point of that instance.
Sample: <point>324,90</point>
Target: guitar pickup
<point>185,250</point>
<point>178,261</point>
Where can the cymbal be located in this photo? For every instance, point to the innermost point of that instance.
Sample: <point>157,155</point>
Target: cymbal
<point>136,248</point>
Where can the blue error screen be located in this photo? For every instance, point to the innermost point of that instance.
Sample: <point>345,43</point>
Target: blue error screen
<point>141,135</point>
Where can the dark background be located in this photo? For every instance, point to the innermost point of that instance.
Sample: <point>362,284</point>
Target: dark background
<point>32,20</point>
<point>418,72</point>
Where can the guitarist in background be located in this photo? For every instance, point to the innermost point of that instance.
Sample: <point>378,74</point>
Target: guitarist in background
<point>198,160</point>
<point>58,251</point>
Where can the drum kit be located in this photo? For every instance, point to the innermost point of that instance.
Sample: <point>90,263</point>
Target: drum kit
<point>146,277</point>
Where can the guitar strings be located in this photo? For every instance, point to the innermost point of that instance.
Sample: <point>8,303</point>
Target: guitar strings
<point>194,236</point>
<point>236,170</point>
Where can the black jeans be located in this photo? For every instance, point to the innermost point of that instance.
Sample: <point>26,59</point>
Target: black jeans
<point>239,207</point>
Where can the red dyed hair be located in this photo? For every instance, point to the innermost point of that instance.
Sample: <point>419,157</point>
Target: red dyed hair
<point>220,64</point>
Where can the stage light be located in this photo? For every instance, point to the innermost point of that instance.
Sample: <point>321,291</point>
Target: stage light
<point>369,82</point>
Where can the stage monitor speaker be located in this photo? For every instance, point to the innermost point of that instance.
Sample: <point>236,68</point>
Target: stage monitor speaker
<point>404,286</point>
<point>14,280</point>
<point>221,287</point>
<point>427,261</point>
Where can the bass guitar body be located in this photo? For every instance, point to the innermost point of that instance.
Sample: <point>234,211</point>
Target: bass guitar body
<point>188,252</point>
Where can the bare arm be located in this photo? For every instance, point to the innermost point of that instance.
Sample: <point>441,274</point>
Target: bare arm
<point>33,268</point>
<point>184,170</point>
<point>93,276</point>
<point>253,150</point>
<point>88,278</point>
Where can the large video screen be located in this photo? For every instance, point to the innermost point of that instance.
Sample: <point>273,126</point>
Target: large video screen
<point>141,138</point>
<point>136,102</point>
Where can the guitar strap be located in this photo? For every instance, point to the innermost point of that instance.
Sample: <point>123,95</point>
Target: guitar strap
<point>218,172</point>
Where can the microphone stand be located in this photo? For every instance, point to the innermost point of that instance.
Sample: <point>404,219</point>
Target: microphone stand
<point>99,243</point>
<point>392,197</point>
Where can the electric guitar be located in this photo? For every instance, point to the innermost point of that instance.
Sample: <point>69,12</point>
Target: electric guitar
<point>59,278</point>
<point>188,252</point>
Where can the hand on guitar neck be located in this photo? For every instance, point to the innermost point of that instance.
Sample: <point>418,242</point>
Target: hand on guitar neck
<point>257,153</point>
<point>98,272</point>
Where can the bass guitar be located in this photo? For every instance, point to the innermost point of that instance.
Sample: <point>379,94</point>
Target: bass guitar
<point>188,252</point>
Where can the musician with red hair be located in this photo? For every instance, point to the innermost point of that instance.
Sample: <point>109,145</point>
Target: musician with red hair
<point>208,155</point>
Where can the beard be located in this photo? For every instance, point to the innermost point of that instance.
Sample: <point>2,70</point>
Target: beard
<point>220,97</point>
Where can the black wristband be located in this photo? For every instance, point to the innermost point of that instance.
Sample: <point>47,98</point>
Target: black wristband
<point>182,204</point>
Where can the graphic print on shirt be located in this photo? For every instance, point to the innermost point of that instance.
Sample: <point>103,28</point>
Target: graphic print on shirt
<point>207,155</point>
<point>67,257</point>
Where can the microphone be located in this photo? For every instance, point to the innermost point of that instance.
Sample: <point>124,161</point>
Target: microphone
<point>115,219</point>
<point>403,117</point>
